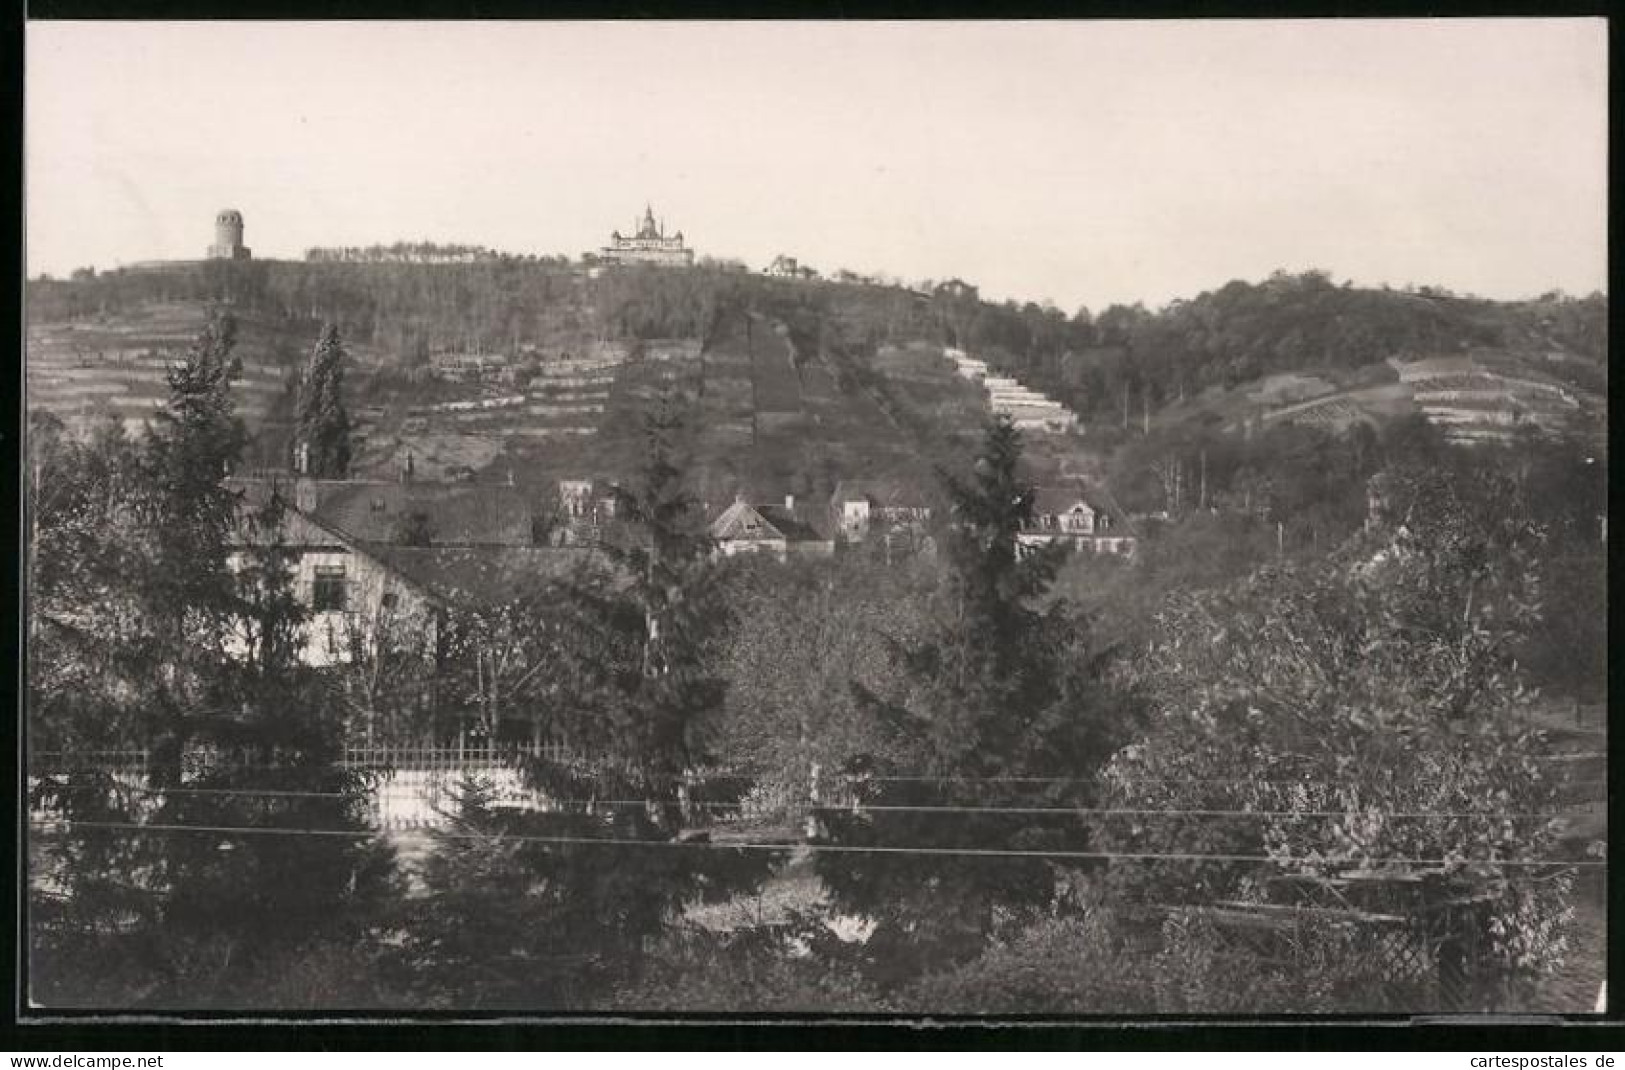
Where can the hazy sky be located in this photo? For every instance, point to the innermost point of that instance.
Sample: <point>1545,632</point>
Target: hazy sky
<point>1084,163</point>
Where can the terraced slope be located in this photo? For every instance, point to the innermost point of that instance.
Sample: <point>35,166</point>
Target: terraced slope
<point>81,369</point>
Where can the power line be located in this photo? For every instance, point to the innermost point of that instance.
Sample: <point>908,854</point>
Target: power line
<point>1032,811</point>
<point>821,848</point>
<point>834,778</point>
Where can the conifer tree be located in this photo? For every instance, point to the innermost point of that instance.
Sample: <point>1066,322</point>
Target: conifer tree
<point>267,758</point>
<point>1001,709</point>
<point>323,421</point>
<point>514,920</point>
<point>186,516</point>
<point>241,736</point>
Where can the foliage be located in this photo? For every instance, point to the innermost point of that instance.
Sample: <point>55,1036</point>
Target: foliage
<point>161,881</point>
<point>508,922</point>
<point>412,528</point>
<point>385,673</point>
<point>87,622</point>
<point>997,692</point>
<point>802,631</point>
<point>658,718</point>
<point>323,421</point>
<point>1374,688</point>
<point>691,970</point>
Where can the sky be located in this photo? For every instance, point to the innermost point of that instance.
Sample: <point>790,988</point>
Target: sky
<point>1084,163</point>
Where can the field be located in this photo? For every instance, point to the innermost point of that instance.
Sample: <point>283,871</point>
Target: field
<point>79,370</point>
<point>1476,395</point>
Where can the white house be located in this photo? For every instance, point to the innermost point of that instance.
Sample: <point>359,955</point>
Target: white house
<point>1065,515</point>
<point>772,529</point>
<point>860,505</point>
<point>354,597</point>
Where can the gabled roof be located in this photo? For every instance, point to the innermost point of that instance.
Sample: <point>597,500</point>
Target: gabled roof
<point>459,514</point>
<point>303,531</point>
<point>883,493</point>
<point>741,520</point>
<point>796,528</point>
<point>298,531</point>
<point>1053,501</point>
<point>477,576</point>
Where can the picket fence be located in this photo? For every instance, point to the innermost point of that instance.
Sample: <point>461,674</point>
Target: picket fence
<point>413,788</point>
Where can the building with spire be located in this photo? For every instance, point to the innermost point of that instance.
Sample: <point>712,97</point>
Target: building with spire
<point>648,244</point>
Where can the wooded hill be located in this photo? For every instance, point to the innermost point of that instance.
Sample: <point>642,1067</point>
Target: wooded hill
<point>1245,352</point>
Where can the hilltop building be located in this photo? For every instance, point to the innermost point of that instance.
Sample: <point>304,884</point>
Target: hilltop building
<point>647,245</point>
<point>228,237</point>
<point>787,267</point>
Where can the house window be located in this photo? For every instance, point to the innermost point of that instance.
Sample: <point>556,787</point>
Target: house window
<point>328,591</point>
<point>390,600</point>
<point>378,505</point>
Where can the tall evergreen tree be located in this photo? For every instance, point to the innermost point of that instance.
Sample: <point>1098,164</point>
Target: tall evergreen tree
<point>266,758</point>
<point>515,918</point>
<point>188,512</point>
<point>1001,709</point>
<point>323,421</point>
<point>241,736</point>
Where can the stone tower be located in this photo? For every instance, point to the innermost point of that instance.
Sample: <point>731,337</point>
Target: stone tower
<point>228,237</point>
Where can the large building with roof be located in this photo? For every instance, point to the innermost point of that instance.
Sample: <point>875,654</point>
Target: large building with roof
<point>438,514</point>
<point>647,244</point>
<point>360,580</point>
<point>1068,515</point>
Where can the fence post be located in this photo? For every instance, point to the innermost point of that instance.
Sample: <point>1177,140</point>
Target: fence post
<point>812,801</point>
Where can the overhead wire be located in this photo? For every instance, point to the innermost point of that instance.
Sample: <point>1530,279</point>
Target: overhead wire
<point>864,807</point>
<point>826,848</point>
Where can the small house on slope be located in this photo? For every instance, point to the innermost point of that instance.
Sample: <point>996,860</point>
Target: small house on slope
<point>779,530</point>
<point>860,506</point>
<point>1066,515</point>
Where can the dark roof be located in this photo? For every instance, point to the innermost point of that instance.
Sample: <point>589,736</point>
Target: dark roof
<point>459,514</point>
<point>792,524</point>
<point>474,576</point>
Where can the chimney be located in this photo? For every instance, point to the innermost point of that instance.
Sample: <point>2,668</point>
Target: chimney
<point>304,494</point>
<point>406,472</point>
<point>789,503</point>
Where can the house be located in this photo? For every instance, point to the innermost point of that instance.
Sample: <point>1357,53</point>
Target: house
<point>462,367</point>
<point>582,511</point>
<point>353,594</point>
<point>783,267</point>
<point>575,497</point>
<point>779,530</point>
<point>957,290</point>
<point>359,588</point>
<point>439,514</point>
<point>474,577</point>
<point>860,506</point>
<point>1066,515</point>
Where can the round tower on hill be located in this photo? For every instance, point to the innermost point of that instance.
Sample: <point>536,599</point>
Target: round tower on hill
<point>228,236</point>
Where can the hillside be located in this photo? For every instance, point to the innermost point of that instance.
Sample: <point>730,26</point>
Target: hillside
<point>792,386</point>
<point>1473,396</point>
